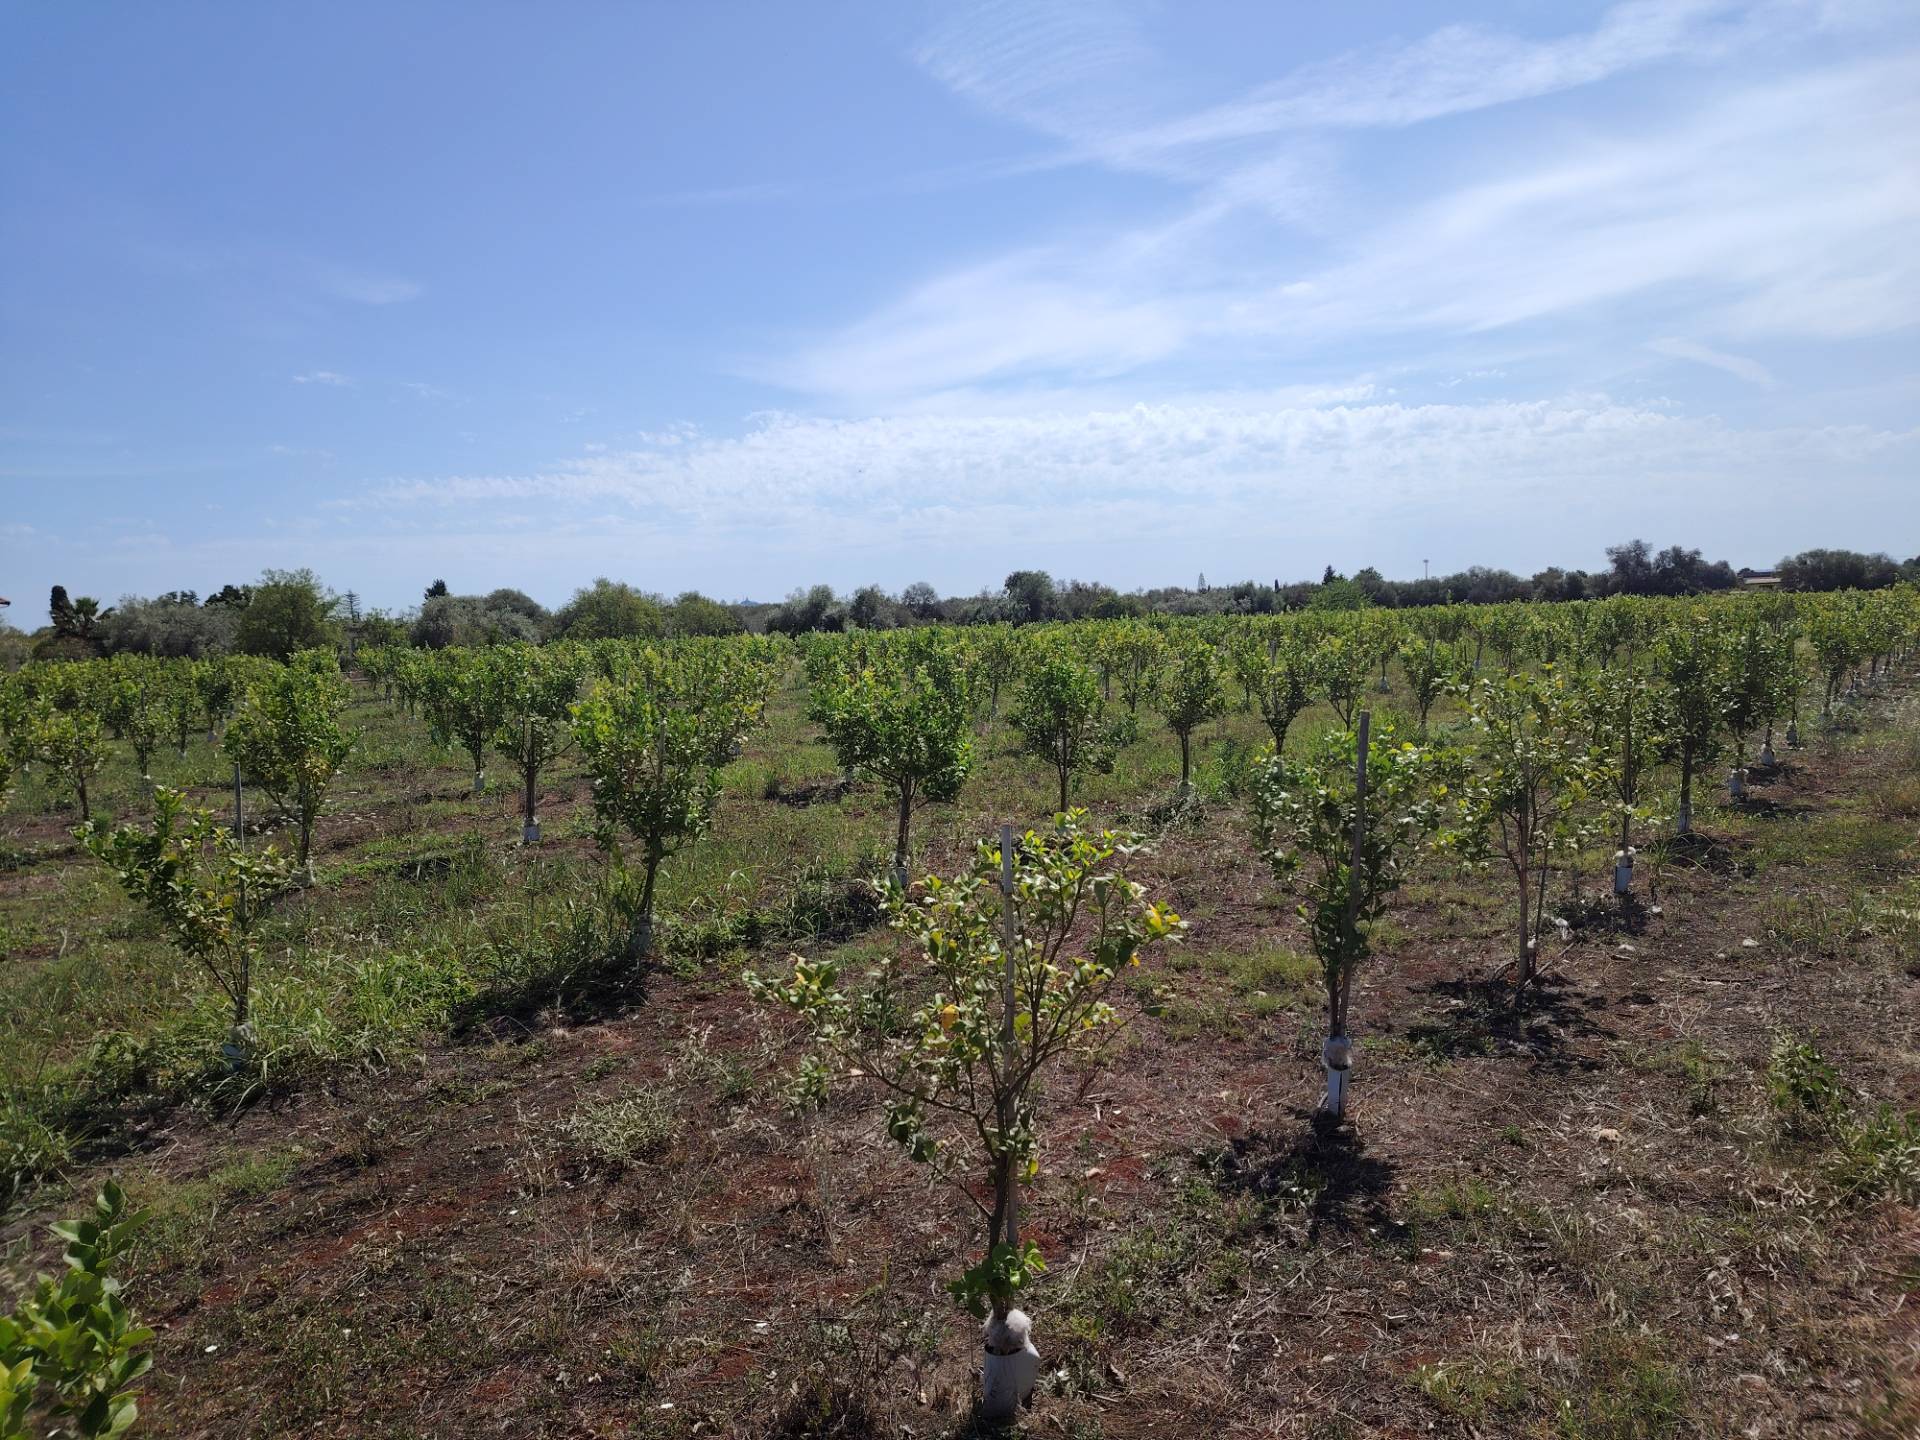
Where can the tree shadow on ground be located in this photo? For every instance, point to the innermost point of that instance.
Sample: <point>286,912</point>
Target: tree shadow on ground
<point>1322,1168</point>
<point>520,1005</point>
<point>1609,914</point>
<point>809,793</point>
<point>1760,807</point>
<point>1700,851</point>
<point>1543,1023</point>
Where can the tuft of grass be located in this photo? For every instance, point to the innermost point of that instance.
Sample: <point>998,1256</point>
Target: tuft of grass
<point>1879,1157</point>
<point>30,1147</point>
<point>639,1124</point>
<point>1475,1390</point>
<point>188,1214</point>
<point>1621,1389</point>
<point>1466,1207</point>
<point>1273,978</point>
<point>1697,1068</point>
<point>1871,1157</point>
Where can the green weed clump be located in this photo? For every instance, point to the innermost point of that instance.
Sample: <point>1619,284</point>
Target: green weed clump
<point>1866,1156</point>
<point>638,1124</point>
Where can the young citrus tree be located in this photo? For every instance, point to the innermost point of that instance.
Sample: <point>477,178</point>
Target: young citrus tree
<point>72,745</point>
<point>18,708</point>
<point>1342,662</point>
<point>1280,674</point>
<point>994,656</point>
<point>379,663</point>
<point>1020,960</point>
<point>204,888</point>
<point>1061,719</point>
<point>1378,635</point>
<point>71,1350</point>
<point>1622,715</point>
<point>654,741</point>
<point>1694,698</point>
<point>289,740</point>
<point>535,689</point>
<point>1431,670</point>
<point>1190,693</point>
<point>136,707</point>
<point>903,718</point>
<point>1763,682</point>
<point>1341,825</point>
<point>1530,787</point>
<point>182,696</point>
<point>1137,652</point>
<point>1837,632</point>
<point>465,704</point>
<point>216,683</point>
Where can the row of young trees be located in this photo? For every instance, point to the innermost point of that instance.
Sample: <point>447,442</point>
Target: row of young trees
<point>1572,708</point>
<point>1553,749</point>
<point>1558,726</point>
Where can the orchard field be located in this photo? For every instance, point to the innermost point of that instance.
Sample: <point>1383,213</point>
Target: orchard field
<point>622,1089</point>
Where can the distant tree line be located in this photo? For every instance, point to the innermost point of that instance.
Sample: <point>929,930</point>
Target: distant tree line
<point>285,611</point>
<point>1030,596</point>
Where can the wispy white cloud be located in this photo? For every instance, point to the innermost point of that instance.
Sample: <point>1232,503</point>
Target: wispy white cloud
<point>749,193</point>
<point>1233,477</point>
<point>365,287</point>
<point>1084,73</point>
<point>421,390</point>
<point>323,377</point>
<point>1739,366</point>
<point>1784,208</point>
<point>1462,68</point>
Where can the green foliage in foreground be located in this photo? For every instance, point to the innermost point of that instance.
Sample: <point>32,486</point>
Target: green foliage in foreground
<point>71,1351</point>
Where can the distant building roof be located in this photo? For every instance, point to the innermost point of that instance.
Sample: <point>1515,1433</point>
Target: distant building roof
<point>1759,578</point>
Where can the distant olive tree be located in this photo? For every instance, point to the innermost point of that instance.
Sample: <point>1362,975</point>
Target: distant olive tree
<point>609,610</point>
<point>288,612</point>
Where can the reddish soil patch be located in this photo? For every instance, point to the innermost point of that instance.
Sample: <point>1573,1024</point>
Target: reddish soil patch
<point>1542,1191</point>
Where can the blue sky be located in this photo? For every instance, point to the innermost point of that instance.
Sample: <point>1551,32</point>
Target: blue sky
<point>747,296</point>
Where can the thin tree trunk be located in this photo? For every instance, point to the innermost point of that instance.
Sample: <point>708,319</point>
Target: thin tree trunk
<point>640,941</point>
<point>1526,929</point>
<point>900,841</point>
